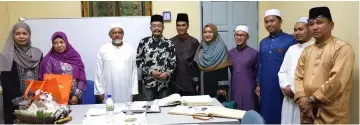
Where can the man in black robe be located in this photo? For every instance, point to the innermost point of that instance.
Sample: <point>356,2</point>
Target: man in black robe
<point>185,80</point>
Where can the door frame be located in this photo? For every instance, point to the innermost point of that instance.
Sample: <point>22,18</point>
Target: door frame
<point>257,26</point>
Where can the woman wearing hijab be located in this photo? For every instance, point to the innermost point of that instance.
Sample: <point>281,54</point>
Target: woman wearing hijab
<point>19,61</point>
<point>212,59</point>
<point>64,59</point>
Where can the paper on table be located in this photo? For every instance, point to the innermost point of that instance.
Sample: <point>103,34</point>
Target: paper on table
<point>137,106</point>
<point>206,110</point>
<point>116,119</point>
<point>201,100</point>
<point>169,100</point>
<point>185,110</point>
<point>174,99</point>
<point>227,112</point>
<point>99,111</point>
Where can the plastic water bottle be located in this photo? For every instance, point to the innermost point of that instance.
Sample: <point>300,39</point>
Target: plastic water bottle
<point>109,106</point>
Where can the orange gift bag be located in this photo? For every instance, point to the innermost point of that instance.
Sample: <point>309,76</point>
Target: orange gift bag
<point>58,85</point>
<point>33,86</point>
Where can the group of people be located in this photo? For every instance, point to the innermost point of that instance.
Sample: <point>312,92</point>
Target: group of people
<point>20,61</point>
<point>306,79</point>
<point>301,79</point>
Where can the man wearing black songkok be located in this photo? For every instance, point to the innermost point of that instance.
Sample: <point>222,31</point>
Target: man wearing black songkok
<point>323,77</point>
<point>186,77</point>
<point>157,61</point>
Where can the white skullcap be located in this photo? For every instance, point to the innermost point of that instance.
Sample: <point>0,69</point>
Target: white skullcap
<point>115,25</point>
<point>242,28</point>
<point>303,19</point>
<point>272,12</point>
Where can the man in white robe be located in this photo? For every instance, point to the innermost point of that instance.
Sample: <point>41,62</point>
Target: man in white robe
<point>290,111</point>
<point>116,71</point>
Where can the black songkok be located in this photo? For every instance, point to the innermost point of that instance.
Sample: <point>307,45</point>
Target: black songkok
<point>182,17</point>
<point>320,12</point>
<point>156,17</point>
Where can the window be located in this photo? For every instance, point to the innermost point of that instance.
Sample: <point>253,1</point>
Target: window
<point>115,8</point>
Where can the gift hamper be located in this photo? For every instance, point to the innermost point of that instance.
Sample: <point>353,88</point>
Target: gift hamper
<point>45,102</point>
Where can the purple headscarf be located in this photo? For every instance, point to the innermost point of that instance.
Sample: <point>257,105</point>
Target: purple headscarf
<point>70,56</point>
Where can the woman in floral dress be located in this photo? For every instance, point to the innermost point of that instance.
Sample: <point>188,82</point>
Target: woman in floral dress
<point>64,59</point>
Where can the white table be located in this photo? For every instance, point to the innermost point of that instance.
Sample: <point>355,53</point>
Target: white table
<point>79,111</point>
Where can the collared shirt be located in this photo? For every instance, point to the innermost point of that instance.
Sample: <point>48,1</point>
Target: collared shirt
<point>272,52</point>
<point>325,71</point>
<point>187,73</point>
<point>156,54</point>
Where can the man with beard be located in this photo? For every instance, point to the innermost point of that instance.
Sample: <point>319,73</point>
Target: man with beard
<point>244,60</point>
<point>186,76</point>
<point>116,71</point>
<point>156,59</point>
<point>290,113</point>
<point>271,55</point>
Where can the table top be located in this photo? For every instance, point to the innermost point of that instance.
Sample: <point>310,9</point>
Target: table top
<point>79,111</point>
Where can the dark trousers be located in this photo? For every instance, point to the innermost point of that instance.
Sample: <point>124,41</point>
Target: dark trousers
<point>150,94</point>
<point>192,91</point>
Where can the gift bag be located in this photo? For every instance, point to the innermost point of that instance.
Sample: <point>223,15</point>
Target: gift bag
<point>59,86</point>
<point>33,86</point>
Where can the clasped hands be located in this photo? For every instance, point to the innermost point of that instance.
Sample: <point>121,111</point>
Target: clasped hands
<point>159,75</point>
<point>305,106</point>
<point>303,102</point>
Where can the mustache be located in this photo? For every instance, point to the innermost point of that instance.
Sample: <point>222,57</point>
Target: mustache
<point>117,41</point>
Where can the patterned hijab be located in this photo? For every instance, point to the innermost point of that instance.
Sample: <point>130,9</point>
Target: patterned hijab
<point>213,54</point>
<point>70,55</point>
<point>25,56</point>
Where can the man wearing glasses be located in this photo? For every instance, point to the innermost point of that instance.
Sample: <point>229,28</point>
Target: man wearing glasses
<point>244,61</point>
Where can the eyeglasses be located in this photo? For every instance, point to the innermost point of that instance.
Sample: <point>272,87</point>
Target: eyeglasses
<point>241,35</point>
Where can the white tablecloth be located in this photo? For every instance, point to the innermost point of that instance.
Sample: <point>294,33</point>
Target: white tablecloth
<point>79,111</point>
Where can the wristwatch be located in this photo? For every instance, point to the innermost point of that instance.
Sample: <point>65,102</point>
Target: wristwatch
<point>311,99</point>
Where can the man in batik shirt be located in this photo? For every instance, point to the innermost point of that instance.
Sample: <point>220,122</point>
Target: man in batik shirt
<point>156,60</point>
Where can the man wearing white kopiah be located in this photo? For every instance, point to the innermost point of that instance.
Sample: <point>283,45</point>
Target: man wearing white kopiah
<point>290,111</point>
<point>116,70</point>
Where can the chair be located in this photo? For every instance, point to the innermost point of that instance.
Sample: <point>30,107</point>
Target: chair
<point>252,117</point>
<point>89,96</point>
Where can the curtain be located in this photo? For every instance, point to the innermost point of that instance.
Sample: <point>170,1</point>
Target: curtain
<point>115,8</point>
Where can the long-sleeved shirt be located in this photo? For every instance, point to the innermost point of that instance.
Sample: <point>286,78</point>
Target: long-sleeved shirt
<point>156,54</point>
<point>324,71</point>
<point>271,56</point>
<point>187,72</point>
<point>290,113</point>
<point>116,72</point>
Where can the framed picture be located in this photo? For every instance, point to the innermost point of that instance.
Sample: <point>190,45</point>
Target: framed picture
<point>167,15</point>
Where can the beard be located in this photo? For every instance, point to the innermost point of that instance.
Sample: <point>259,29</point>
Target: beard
<point>117,41</point>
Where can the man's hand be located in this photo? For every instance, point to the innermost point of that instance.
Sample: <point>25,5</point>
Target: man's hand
<point>288,92</point>
<point>257,90</point>
<point>100,98</point>
<point>164,75</point>
<point>304,104</point>
<point>74,100</point>
<point>221,92</point>
<point>307,108</point>
<point>155,74</point>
